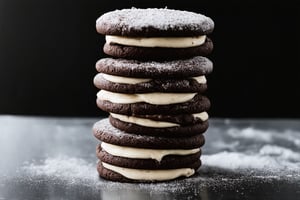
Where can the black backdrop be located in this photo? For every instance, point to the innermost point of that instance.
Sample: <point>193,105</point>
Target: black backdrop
<point>48,50</point>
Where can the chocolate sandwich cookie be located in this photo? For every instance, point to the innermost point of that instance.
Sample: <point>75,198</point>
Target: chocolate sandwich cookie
<point>152,103</point>
<point>139,85</point>
<point>179,68</point>
<point>144,126</point>
<point>105,132</point>
<point>157,53</point>
<point>146,159</point>
<point>122,174</point>
<point>155,34</point>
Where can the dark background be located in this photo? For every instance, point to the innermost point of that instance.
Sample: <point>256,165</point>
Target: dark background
<point>48,50</point>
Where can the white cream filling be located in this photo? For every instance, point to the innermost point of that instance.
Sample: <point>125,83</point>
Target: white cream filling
<point>152,123</point>
<point>143,121</point>
<point>155,98</point>
<point>200,79</point>
<point>151,175</point>
<point>203,116</point>
<point>141,153</point>
<point>122,79</point>
<point>168,42</point>
<point>127,80</point>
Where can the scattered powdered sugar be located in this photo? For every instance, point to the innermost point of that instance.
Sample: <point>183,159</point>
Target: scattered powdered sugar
<point>268,136</point>
<point>281,153</point>
<point>251,149</point>
<point>70,169</point>
<point>266,162</point>
<point>269,159</point>
<point>250,133</point>
<point>72,172</point>
<point>239,159</point>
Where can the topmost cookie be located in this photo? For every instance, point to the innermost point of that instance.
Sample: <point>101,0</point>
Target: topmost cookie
<point>154,22</point>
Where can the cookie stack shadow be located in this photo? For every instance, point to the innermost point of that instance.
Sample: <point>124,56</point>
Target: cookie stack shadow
<point>152,85</point>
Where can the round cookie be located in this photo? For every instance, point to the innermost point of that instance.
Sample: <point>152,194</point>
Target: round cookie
<point>153,22</point>
<point>154,85</point>
<point>157,53</point>
<point>191,67</point>
<point>198,104</point>
<point>114,176</point>
<point>168,162</point>
<point>177,131</point>
<point>105,132</point>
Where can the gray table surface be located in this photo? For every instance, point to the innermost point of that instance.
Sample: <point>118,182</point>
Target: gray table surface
<point>54,158</point>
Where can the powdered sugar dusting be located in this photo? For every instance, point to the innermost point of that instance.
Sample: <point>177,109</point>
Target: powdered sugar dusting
<point>263,152</point>
<point>242,160</point>
<point>263,161</point>
<point>195,66</point>
<point>267,136</point>
<point>281,153</point>
<point>162,19</point>
<point>249,133</point>
<point>73,171</point>
<point>268,160</point>
<point>70,169</point>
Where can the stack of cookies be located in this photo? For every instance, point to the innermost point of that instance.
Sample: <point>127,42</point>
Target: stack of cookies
<point>152,85</point>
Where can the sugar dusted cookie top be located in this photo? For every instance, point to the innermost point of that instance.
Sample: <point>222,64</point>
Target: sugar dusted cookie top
<point>195,66</point>
<point>154,22</point>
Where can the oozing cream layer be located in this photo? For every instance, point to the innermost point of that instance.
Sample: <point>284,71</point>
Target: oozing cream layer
<point>140,153</point>
<point>203,116</point>
<point>122,79</point>
<point>155,98</point>
<point>150,175</point>
<point>152,123</point>
<point>167,42</point>
<point>143,121</point>
<point>127,80</point>
<point>200,79</point>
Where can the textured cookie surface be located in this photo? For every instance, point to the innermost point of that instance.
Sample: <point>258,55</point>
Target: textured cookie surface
<point>185,85</point>
<point>176,131</point>
<point>191,67</point>
<point>156,53</point>
<point>153,22</point>
<point>198,104</point>
<point>104,131</point>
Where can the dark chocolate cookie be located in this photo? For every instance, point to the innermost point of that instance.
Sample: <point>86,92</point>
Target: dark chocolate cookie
<point>182,119</point>
<point>168,162</point>
<point>153,22</point>
<point>155,85</point>
<point>157,53</point>
<point>104,131</point>
<point>177,131</point>
<point>114,176</point>
<point>198,104</point>
<point>191,67</point>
